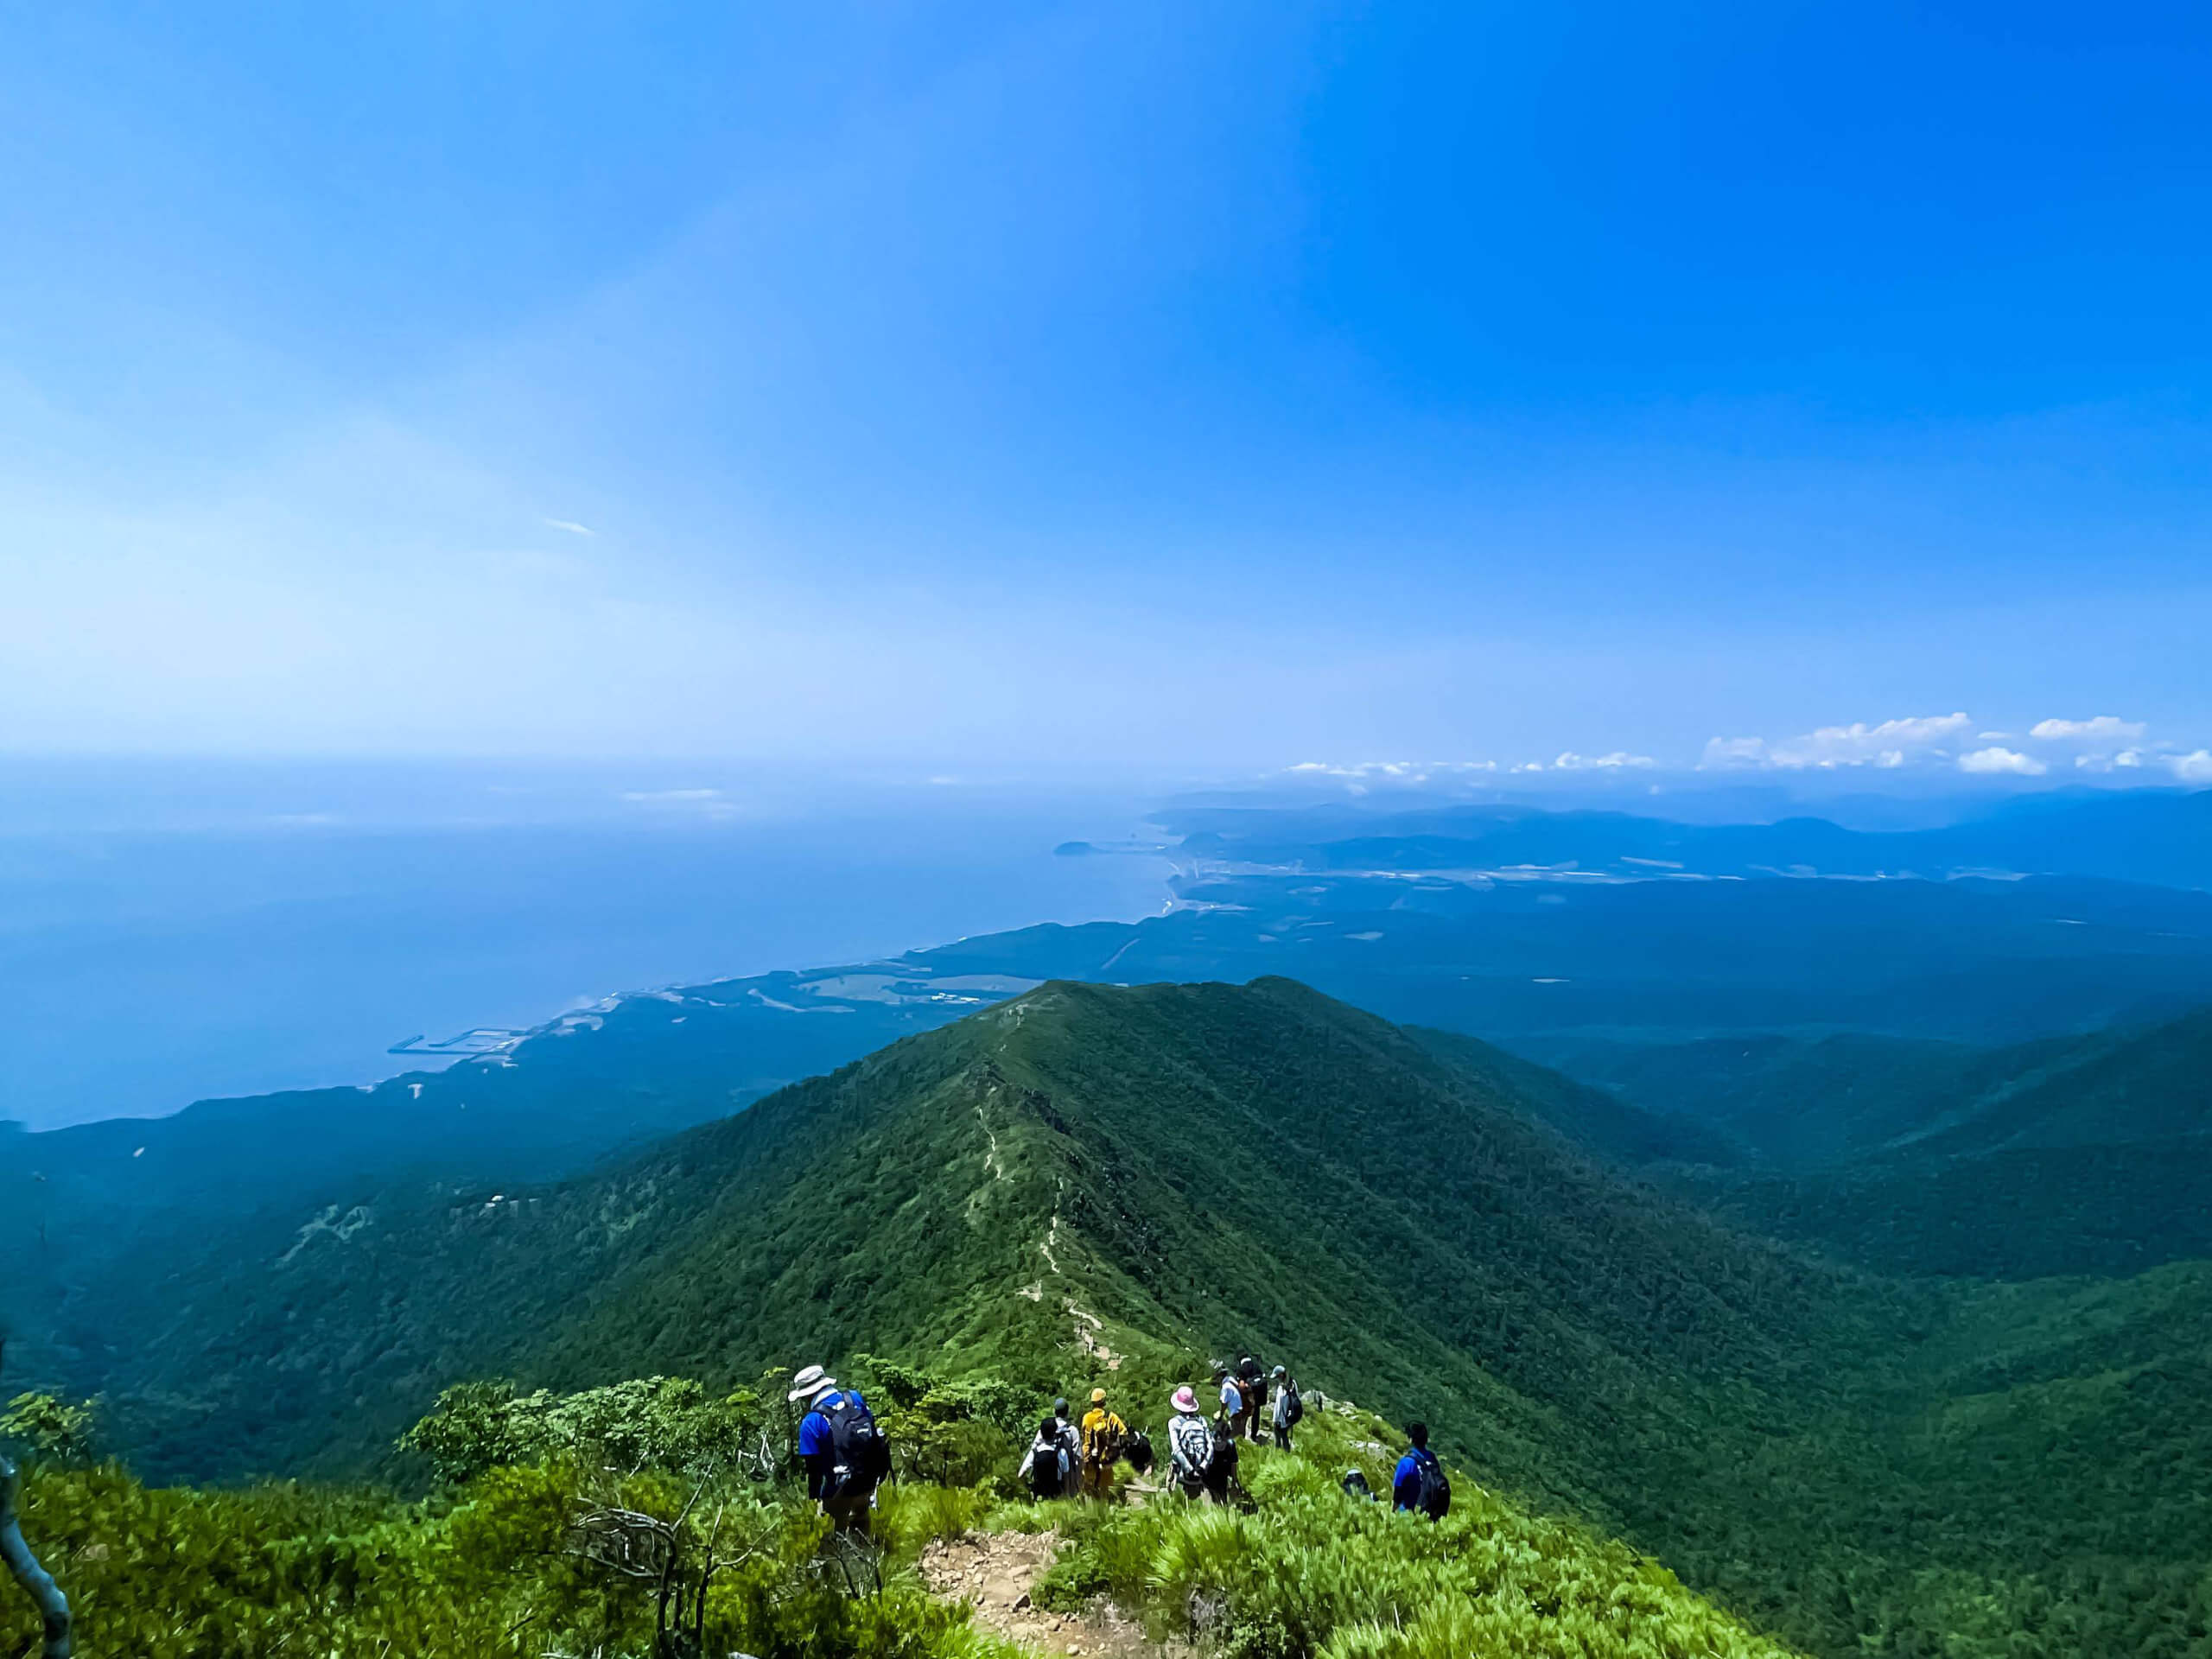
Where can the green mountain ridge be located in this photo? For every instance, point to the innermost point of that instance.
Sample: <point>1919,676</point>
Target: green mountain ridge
<point>1537,964</point>
<point>1093,1182</point>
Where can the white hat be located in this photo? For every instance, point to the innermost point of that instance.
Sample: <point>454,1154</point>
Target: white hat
<point>810,1382</point>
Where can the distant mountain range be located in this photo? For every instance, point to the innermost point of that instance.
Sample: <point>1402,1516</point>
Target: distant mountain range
<point>2159,836</point>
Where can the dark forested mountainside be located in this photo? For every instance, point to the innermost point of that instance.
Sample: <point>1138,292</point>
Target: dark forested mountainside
<point>2071,1155</point>
<point>1599,1120</point>
<point>2116,1088</point>
<point>1802,1102</point>
<point>2032,1213</point>
<point>1785,1101</point>
<point>1088,1181</point>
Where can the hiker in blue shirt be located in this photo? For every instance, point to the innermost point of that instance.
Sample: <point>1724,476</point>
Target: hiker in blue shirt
<point>841,1477</point>
<point>1419,1484</point>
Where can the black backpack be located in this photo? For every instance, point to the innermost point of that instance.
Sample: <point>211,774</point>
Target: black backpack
<point>860,1451</point>
<point>1221,1466</point>
<point>1293,1406</point>
<point>1431,1491</point>
<point>1047,1476</point>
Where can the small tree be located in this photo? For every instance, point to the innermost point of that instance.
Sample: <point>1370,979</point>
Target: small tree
<point>50,1428</point>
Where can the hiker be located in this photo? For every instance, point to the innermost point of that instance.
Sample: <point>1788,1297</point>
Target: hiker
<point>1355,1485</point>
<point>845,1454</point>
<point>1072,1444</point>
<point>1289,1408</point>
<point>1103,1436</point>
<point>1419,1484</point>
<point>1232,1394</point>
<point>1221,1473</point>
<point>1190,1443</point>
<point>1254,1387</point>
<point>1045,1469</point>
<point>1221,1468</point>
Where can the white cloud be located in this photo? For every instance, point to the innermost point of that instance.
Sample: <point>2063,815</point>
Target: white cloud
<point>2126,759</point>
<point>1999,760</point>
<point>2100,728</point>
<point>2194,768</point>
<point>1722,752</point>
<point>1400,771</point>
<point>708,801</point>
<point>571,527</point>
<point>1890,744</point>
<point>1619,758</point>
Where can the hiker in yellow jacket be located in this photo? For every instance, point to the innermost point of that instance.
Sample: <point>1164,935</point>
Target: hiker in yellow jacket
<point>1103,1436</point>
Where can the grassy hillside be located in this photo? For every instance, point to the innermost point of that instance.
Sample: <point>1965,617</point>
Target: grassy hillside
<point>1300,1571</point>
<point>1090,1182</point>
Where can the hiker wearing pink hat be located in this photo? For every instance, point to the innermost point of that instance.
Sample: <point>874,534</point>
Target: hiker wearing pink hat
<point>1190,1443</point>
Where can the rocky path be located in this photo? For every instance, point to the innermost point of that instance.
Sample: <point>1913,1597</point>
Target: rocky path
<point>995,1571</point>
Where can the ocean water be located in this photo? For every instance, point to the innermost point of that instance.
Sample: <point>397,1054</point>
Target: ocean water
<point>172,933</point>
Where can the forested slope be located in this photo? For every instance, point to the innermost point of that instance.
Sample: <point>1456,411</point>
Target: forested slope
<point>2084,1155</point>
<point>1097,1183</point>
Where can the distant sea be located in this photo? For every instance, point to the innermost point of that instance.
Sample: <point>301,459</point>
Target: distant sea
<point>173,932</point>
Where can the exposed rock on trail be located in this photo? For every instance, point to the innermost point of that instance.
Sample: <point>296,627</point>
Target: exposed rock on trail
<point>995,1571</point>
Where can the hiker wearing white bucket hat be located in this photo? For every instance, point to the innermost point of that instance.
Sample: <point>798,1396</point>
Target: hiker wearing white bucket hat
<point>845,1454</point>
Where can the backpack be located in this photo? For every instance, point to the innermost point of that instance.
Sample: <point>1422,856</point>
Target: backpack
<point>1047,1473</point>
<point>1193,1446</point>
<point>1139,1452</point>
<point>1105,1444</point>
<point>860,1451</point>
<point>1293,1406</point>
<point>1432,1492</point>
<point>1221,1461</point>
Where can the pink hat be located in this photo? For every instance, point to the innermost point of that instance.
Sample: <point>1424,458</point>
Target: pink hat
<point>1185,1401</point>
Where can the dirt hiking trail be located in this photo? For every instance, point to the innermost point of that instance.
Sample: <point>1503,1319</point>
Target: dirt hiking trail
<point>995,1571</point>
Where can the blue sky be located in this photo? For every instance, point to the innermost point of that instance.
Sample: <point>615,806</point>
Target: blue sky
<point>1110,387</point>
